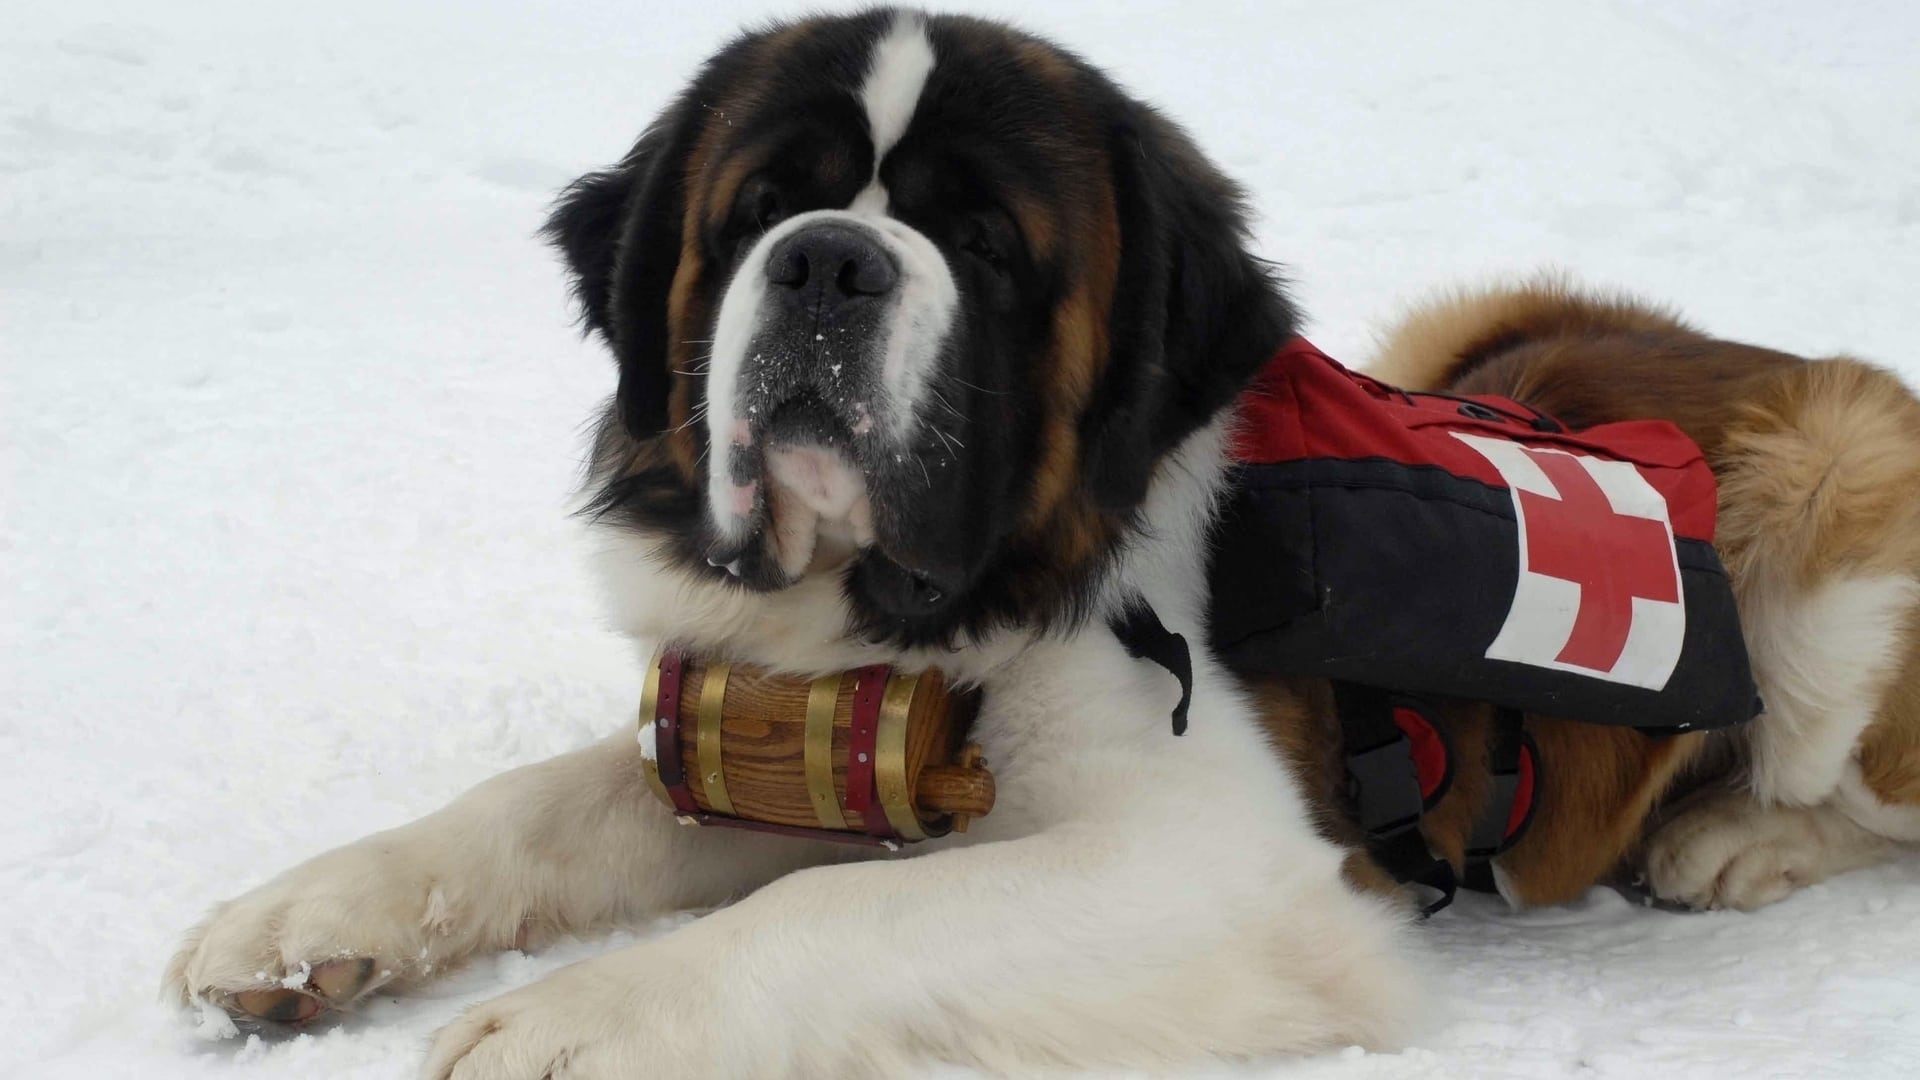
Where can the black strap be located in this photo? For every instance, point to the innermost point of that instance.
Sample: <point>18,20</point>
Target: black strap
<point>1489,834</point>
<point>1507,743</point>
<point>1146,638</point>
<point>1383,787</point>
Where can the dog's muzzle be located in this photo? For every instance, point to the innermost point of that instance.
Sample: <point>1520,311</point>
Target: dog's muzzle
<point>827,337</point>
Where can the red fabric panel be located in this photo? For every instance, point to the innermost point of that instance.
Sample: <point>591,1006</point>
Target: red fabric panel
<point>1304,405</point>
<point>1522,793</point>
<point>1429,750</point>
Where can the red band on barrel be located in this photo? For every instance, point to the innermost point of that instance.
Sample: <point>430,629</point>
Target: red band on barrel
<point>666,733</point>
<point>869,688</point>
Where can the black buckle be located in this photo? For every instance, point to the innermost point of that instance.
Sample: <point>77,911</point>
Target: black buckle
<point>1385,788</point>
<point>1508,751</point>
<point>1489,836</point>
<point>1405,855</point>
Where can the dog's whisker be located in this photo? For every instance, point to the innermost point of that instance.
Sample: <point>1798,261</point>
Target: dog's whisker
<point>694,416</point>
<point>942,399</point>
<point>975,387</point>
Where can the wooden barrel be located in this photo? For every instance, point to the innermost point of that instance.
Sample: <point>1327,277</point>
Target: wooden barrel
<point>870,755</point>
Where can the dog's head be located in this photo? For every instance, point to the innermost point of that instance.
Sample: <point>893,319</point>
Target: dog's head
<point>917,301</point>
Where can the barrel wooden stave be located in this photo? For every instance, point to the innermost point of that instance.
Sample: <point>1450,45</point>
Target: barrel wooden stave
<point>763,724</point>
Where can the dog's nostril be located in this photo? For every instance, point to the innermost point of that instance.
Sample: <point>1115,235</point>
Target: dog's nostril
<point>867,274</point>
<point>788,267</point>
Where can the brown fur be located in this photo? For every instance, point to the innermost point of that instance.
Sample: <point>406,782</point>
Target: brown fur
<point>714,171</point>
<point>1438,343</point>
<point>1598,787</point>
<point>1890,749</point>
<point>1061,516</point>
<point>1819,471</point>
<point>1820,474</point>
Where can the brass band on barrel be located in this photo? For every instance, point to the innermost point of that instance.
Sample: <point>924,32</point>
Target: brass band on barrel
<point>650,732</point>
<point>822,698</point>
<point>890,758</point>
<point>713,691</point>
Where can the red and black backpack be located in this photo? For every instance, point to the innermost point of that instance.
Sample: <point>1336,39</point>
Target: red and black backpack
<point>1415,547</point>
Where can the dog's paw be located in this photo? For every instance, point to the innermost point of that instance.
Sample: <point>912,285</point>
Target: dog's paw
<point>321,936</point>
<point>1730,852</point>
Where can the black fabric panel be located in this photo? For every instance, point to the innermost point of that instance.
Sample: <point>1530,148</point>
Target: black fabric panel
<point>1399,577</point>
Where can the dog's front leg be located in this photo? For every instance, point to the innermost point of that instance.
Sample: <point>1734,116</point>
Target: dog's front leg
<point>566,845</point>
<point>1151,900</point>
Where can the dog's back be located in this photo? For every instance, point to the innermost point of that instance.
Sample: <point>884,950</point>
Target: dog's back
<point>1818,463</point>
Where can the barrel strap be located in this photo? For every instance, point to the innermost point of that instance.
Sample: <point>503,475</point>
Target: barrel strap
<point>713,778</point>
<point>823,698</point>
<point>890,754</point>
<point>869,690</point>
<point>649,733</point>
<point>666,729</point>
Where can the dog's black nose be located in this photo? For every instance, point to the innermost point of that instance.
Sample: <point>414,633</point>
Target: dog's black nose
<point>840,262</point>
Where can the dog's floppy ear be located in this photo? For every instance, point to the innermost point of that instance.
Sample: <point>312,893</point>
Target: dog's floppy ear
<point>1194,315</point>
<point>619,232</point>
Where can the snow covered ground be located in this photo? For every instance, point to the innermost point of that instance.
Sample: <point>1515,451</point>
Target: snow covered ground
<point>292,399</point>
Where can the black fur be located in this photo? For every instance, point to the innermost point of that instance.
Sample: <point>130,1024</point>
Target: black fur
<point>1196,315</point>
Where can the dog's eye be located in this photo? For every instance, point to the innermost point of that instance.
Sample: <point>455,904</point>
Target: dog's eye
<point>990,238</point>
<point>768,207</point>
<point>760,204</point>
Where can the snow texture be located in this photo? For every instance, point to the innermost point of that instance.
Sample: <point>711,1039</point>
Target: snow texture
<point>292,402</point>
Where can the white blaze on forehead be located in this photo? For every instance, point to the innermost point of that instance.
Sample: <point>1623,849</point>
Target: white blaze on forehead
<point>896,74</point>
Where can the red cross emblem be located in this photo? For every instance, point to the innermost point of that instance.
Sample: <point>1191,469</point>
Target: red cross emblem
<point>1613,557</point>
<point>1598,590</point>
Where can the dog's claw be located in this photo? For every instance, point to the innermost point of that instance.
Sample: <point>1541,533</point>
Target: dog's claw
<point>278,1005</point>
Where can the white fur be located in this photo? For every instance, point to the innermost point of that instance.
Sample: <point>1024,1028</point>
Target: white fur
<point>1823,660</point>
<point>1097,916</point>
<point>896,75</point>
<point>1724,850</point>
<point>821,511</point>
<point>1857,801</point>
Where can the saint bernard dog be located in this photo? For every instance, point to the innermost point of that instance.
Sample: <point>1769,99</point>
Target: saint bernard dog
<point>928,338</point>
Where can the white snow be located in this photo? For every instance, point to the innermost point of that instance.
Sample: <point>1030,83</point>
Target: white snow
<point>292,403</point>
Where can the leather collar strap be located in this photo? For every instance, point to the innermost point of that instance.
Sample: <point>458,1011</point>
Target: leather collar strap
<point>666,721</point>
<point>869,688</point>
<point>1146,638</point>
